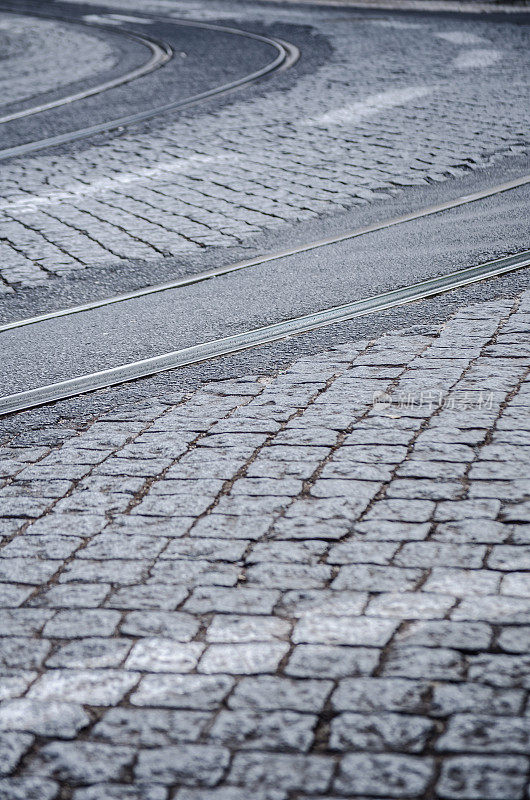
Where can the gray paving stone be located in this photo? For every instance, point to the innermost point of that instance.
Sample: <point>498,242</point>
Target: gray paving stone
<point>164,655</point>
<point>445,633</point>
<point>242,599</point>
<point>149,727</point>
<point>451,698</point>
<point>82,622</point>
<point>322,629</point>
<point>243,658</point>
<point>281,772</point>
<point>44,719</point>
<point>171,624</point>
<point>404,776</point>
<point>271,730</point>
<point>381,694</point>
<point>380,732</point>
<point>202,692</point>
<point>191,764</point>
<point>272,692</point>
<point>483,778</point>
<point>28,789</point>
<point>424,662</point>
<point>22,653</point>
<point>365,577</point>
<point>81,762</point>
<point>325,661</point>
<point>473,733</point>
<point>110,791</point>
<point>93,652</point>
<point>13,745</point>
<point>246,628</point>
<point>90,687</point>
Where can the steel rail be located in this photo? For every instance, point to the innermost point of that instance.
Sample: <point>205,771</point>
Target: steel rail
<point>246,340</point>
<point>161,53</point>
<point>241,265</point>
<point>287,56</point>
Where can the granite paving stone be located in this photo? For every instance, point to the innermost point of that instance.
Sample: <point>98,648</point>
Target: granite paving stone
<point>255,617</point>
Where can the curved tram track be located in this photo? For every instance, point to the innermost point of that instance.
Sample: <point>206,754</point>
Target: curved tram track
<point>287,56</point>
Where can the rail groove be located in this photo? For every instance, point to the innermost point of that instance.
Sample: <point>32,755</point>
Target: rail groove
<point>275,256</point>
<point>245,340</point>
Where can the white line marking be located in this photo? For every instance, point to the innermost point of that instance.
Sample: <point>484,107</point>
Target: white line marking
<point>460,37</point>
<point>32,202</point>
<point>99,19</point>
<point>125,18</point>
<point>391,23</point>
<point>477,58</point>
<point>371,105</point>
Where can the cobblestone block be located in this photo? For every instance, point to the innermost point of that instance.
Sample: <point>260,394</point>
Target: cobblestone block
<point>192,764</point>
<point>149,727</point>
<point>28,789</point>
<point>323,661</point>
<point>485,734</point>
<point>404,776</point>
<point>272,730</point>
<point>44,719</point>
<point>476,778</point>
<point>164,655</point>
<point>273,692</point>
<point>96,688</point>
<point>380,694</point>
<point>380,732</point>
<point>13,745</point>
<point>243,658</point>
<point>202,692</point>
<point>281,772</point>
<point>90,653</point>
<point>81,762</point>
<point>343,630</point>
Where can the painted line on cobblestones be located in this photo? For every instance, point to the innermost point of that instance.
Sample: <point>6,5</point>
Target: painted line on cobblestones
<point>287,56</point>
<point>241,265</point>
<point>161,53</point>
<point>124,373</point>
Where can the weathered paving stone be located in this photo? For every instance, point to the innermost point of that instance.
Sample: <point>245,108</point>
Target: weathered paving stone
<point>486,734</point>
<point>403,776</point>
<point>203,692</point>
<point>44,719</point>
<point>164,655</point>
<point>381,694</point>
<point>81,762</point>
<point>93,687</point>
<point>149,727</point>
<point>28,788</point>
<point>380,732</point>
<point>299,640</point>
<point>281,772</point>
<point>483,778</point>
<point>343,630</point>
<point>90,653</point>
<point>325,661</point>
<point>191,764</point>
<point>13,745</point>
<point>276,730</point>
<point>112,791</point>
<point>269,692</point>
<point>243,658</point>
<point>171,624</point>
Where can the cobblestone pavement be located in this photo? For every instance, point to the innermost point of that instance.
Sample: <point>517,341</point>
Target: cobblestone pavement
<point>313,584</point>
<point>397,102</point>
<point>44,55</point>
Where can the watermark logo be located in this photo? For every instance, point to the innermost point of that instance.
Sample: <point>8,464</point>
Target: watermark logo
<point>430,400</point>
